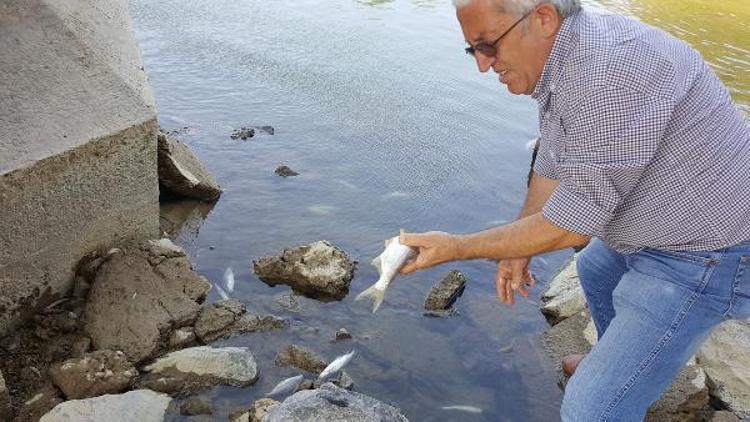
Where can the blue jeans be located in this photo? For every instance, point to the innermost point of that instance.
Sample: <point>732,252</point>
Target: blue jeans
<point>652,311</point>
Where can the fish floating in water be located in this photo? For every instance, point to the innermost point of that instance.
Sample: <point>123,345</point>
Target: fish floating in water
<point>221,292</point>
<point>463,408</point>
<point>388,264</point>
<point>229,279</point>
<point>336,365</point>
<point>286,386</point>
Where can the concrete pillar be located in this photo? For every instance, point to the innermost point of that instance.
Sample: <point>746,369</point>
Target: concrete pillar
<point>77,144</point>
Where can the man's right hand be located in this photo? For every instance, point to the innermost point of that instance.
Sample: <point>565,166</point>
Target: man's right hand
<point>513,274</point>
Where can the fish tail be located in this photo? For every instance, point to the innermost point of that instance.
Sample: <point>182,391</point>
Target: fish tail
<point>377,296</point>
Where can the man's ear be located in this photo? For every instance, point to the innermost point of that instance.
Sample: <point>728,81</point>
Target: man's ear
<point>548,19</point>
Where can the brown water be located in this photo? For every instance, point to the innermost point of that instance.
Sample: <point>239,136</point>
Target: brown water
<point>389,125</point>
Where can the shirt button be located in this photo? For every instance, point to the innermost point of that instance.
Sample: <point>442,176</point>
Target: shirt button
<point>552,87</point>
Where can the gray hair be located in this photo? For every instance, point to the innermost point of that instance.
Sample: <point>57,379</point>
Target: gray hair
<point>564,7</point>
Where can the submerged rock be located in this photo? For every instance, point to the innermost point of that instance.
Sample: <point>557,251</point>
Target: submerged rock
<point>331,403</point>
<point>224,318</point>
<point>444,293</point>
<point>285,171</point>
<point>564,297</point>
<point>196,406</point>
<point>243,133</point>
<point>301,358</point>
<point>318,269</point>
<point>342,334</point>
<point>181,173</point>
<point>188,370</point>
<point>133,406</point>
<point>94,374</point>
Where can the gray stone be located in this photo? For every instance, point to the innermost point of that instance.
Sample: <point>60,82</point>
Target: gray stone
<point>94,374</point>
<point>285,171</point>
<point>260,408</point>
<point>301,358</point>
<point>288,302</point>
<point>564,297</point>
<point>188,370</point>
<point>688,392</point>
<point>78,145</point>
<point>133,406</point>
<point>164,247</point>
<point>134,307</point>
<point>243,133</point>
<point>445,292</point>
<point>182,337</point>
<point>317,269</point>
<point>227,317</point>
<point>331,403</point>
<point>726,359</point>
<point>181,173</point>
<point>342,334</point>
<point>196,406</point>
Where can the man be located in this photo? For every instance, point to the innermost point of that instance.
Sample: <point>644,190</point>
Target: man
<point>644,155</point>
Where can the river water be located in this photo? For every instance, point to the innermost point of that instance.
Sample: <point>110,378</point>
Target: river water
<point>390,126</point>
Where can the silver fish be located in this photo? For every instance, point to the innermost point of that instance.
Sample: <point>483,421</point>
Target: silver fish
<point>287,386</point>
<point>388,264</point>
<point>221,292</point>
<point>229,279</point>
<point>336,365</point>
<point>463,408</point>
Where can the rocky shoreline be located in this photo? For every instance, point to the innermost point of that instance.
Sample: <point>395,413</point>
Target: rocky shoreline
<point>713,386</point>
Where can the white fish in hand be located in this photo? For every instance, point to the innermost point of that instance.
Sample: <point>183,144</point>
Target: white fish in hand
<point>463,408</point>
<point>336,365</point>
<point>388,264</point>
<point>221,292</point>
<point>287,386</point>
<point>229,279</point>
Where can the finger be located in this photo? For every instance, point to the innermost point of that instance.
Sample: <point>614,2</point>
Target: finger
<point>531,281</point>
<point>500,288</point>
<point>409,267</point>
<point>509,295</point>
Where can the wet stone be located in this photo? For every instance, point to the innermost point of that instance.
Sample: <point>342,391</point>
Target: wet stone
<point>243,133</point>
<point>342,334</point>
<point>301,358</point>
<point>444,294</point>
<point>94,374</point>
<point>285,171</point>
<point>196,406</point>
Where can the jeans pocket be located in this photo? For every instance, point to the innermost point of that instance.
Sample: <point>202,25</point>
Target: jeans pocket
<point>688,269</point>
<point>740,303</point>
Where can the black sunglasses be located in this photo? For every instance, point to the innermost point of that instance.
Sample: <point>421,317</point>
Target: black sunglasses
<point>490,50</point>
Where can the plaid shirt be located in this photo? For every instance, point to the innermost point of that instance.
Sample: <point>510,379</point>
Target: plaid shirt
<point>647,145</point>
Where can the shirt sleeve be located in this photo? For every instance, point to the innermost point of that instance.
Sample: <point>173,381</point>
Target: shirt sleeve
<point>544,164</point>
<point>611,135</point>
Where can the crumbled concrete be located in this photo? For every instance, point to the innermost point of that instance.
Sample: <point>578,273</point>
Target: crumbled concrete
<point>445,292</point>
<point>331,403</point>
<point>95,374</point>
<point>726,359</point>
<point>133,406</point>
<point>318,269</point>
<point>188,370</point>
<point>301,358</point>
<point>564,297</point>
<point>181,173</point>
<point>139,298</point>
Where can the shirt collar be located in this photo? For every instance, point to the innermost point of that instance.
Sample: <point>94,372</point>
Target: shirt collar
<point>564,42</point>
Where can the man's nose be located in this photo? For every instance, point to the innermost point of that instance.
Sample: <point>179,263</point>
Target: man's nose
<point>484,63</point>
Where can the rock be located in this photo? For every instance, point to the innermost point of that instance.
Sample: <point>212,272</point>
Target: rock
<point>342,334</point>
<point>38,403</point>
<point>317,269</point>
<point>133,406</point>
<point>183,218</point>
<point>5,409</point>
<point>181,173</point>
<point>285,171</point>
<point>227,317</point>
<point>725,357</point>
<point>260,408</point>
<point>80,346</point>
<point>301,358</point>
<point>564,297</point>
<point>196,406</point>
<point>134,305</point>
<point>288,301</point>
<point>188,370</point>
<point>94,374</point>
<point>268,129</point>
<point>345,381</point>
<point>243,133</point>
<point>331,403</point>
<point>444,293</point>
<point>688,392</point>
<point>164,247</point>
<point>589,333</point>
<point>182,337</point>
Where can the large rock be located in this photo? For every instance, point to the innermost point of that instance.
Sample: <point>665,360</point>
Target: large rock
<point>78,145</point>
<point>5,409</point>
<point>444,293</point>
<point>331,403</point>
<point>726,359</point>
<point>256,413</point>
<point>564,297</point>
<point>181,173</point>
<point>317,269</point>
<point>301,358</point>
<point>227,317</point>
<point>139,298</point>
<point>133,406</point>
<point>188,370</point>
<point>95,374</point>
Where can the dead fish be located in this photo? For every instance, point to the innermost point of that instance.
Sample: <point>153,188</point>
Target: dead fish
<point>287,386</point>
<point>229,279</point>
<point>336,365</point>
<point>463,408</point>
<point>388,264</point>
<point>221,292</point>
